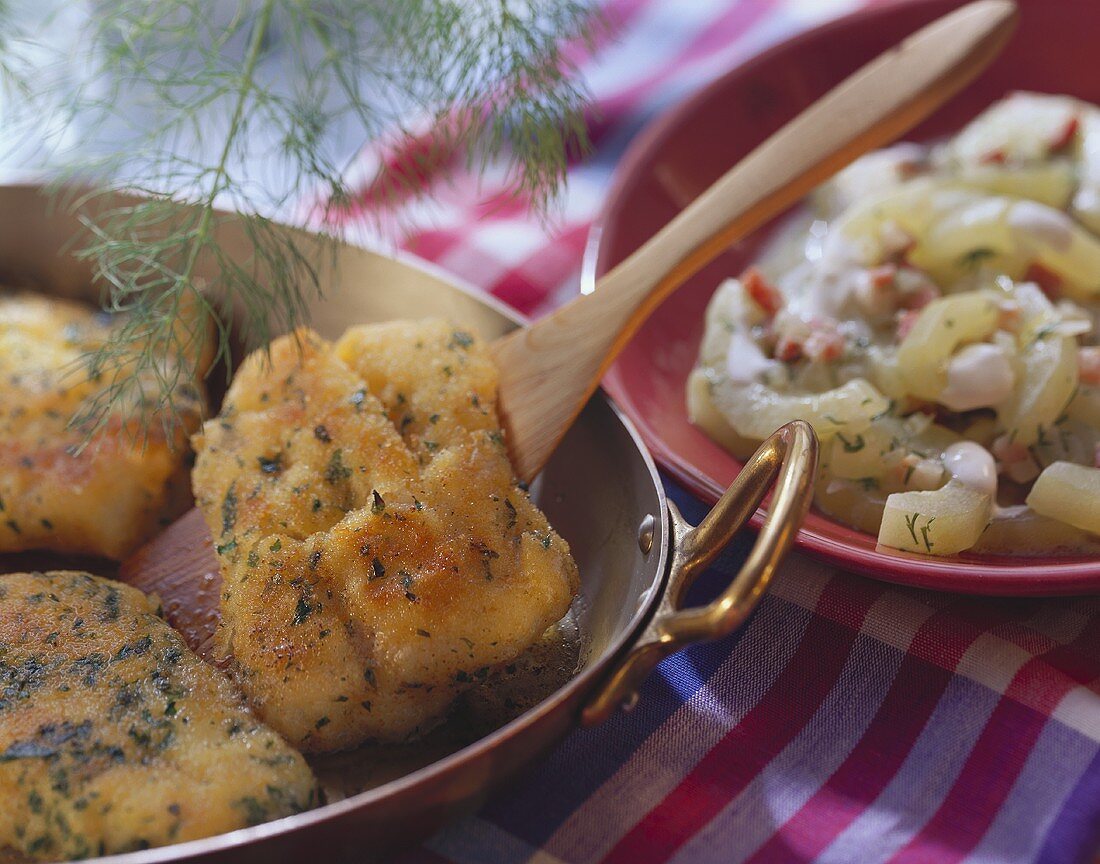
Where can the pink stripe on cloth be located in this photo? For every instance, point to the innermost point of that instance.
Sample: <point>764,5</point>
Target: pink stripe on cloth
<point>913,696</point>
<point>1001,621</point>
<point>994,764</point>
<point>522,285</point>
<point>764,731</point>
<point>433,245</point>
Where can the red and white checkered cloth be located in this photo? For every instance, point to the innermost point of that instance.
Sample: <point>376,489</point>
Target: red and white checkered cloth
<point>850,721</point>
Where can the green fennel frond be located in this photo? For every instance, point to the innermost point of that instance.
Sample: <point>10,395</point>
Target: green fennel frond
<point>250,107</point>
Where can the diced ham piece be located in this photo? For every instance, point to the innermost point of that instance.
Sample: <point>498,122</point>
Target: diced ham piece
<point>1049,282</point>
<point>883,276</point>
<point>916,472</point>
<point>1009,316</point>
<point>790,333</point>
<point>1064,137</point>
<point>762,292</point>
<point>896,241</point>
<point>994,157</point>
<point>906,320</point>
<point>824,344</point>
<point>819,340</point>
<point>917,300</point>
<point>1016,461</point>
<point>1088,364</point>
<point>877,292</point>
<point>787,350</point>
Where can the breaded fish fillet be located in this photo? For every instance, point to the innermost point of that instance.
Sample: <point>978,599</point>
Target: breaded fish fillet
<point>378,554</point>
<point>114,736</point>
<point>112,495</point>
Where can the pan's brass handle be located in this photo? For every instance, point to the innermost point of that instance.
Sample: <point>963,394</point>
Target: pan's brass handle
<point>789,460</point>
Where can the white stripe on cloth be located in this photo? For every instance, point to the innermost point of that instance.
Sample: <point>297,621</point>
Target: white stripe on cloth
<point>1062,622</point>
<point>651,45</point>
<point>1080,710</point>
<point>660,764</point>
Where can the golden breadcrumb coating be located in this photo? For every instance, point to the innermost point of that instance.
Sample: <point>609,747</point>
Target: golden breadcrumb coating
<point>105,499</point>
<point>114,736</point>
<point>378,554</point>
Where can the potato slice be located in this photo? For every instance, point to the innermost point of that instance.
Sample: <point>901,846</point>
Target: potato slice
<point>850,502</point>
<point>1069,493</point>
<point>703,413</point>
<point>1086,201</point>
<point>879,451</point>
<point>914,208</point>
<point>1029,533</point>
<point>1023,128</point>
<point>1051,183</point>
<point>756,410</point>
<point>941,522</point>
<point>729,310</point>
<point>959,230</point>
<point>972,237</point>
<point>1085,405</point>
<point>1058,244</point>
<point>1047,376</point>
<point>942,326</point>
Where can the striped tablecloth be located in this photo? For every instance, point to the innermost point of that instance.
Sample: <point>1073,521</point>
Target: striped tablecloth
<point>850,721</point>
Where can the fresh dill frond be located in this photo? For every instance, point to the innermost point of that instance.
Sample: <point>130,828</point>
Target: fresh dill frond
<point>253,106</point>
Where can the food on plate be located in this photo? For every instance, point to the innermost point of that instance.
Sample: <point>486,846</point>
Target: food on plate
<point>104,498</point>
<point>114,736</point>
<point>1068,493</point>
<point>378,555</point>
<point>933,313</point>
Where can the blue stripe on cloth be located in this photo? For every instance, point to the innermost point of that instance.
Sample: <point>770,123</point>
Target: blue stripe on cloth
<point>477,841</point>
<point>744,678</point>
<point>1037,798</point>
<point>1075,836</point>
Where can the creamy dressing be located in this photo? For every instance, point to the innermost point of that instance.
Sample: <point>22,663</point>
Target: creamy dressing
<point>745,361</point>
<point>825,288</point>
<point>876,172</point>
<point>973,466</point>
<point>978,376</point>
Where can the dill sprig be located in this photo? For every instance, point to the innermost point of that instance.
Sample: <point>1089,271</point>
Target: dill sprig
<point>187,102</point>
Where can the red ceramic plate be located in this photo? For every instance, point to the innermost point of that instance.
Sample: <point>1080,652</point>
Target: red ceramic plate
<point>1054,50</point>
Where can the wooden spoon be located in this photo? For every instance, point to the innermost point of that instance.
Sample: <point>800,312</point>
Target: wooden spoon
<point>550,369</point>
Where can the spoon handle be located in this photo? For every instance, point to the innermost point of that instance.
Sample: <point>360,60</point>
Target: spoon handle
<point>549,370</point>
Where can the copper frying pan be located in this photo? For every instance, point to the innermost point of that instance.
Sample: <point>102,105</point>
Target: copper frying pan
<point>636,555</point>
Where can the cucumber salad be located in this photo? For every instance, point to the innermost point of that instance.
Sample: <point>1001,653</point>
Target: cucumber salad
<point>933,312</point>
